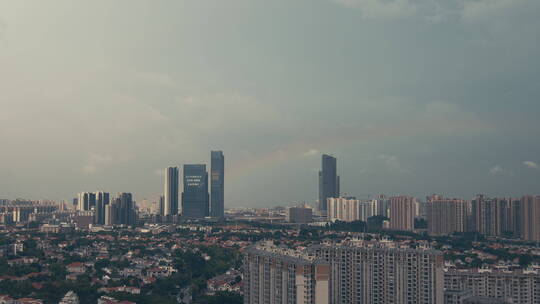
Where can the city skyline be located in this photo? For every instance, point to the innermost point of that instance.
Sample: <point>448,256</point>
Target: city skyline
<point>442,95</point>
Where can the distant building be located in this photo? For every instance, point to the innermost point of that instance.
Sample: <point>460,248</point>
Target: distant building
<point>121,211</point>
<point>487,215</point>
<point>328,181</point>
<point>195,198</point>
<point>161,206</point>
<point>300,214</point>
<point>86,201</point>
<point>102,200</point>
<point>217,184</point>
<point>402,213</point>
<point>446,216</point>
<point>349,209</point>
<point>530,215</point>
<point>171,191</point>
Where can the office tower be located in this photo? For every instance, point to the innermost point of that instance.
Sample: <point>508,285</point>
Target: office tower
<point>86,201</point>
<point>161,206</point>
<point>402,212</point>
<point>446,216</point>
<point>382,272</point>
<point>300,214</point>
<point>217,190</point>
<point>518,286</point>
<point>121,210</point>
<point>275,275</point>
<point>102,200</point>
<point>171,191</point>
<point>195,198</point>
<point>328,181</point>
<point>530,215</point>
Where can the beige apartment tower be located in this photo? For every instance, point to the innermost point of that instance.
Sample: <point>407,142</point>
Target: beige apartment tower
<point>275,275</point>
<point>348,272</point>
<point>402,213</point>
<point>530,215</point>
<point>446,216</point>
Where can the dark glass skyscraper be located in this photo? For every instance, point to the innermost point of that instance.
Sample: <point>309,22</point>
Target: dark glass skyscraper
<point>328,181</point>
<point>102,200</point>
<point>195,198</point>
<point>217,174</point>
<point>170,191</point>
<point>121,210</point>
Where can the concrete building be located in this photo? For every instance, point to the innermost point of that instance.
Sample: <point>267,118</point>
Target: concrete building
<point>161,206</point>
<point>121,211</point>
<point>456,296</point>
<point>217,184</point>
<point>402,213</point>
<point>346,272</point>
<point>519,287</point>
<point>102,200</point>
<point>328,181</point>
<point>487,215</point>
<point>300,214</point>
<point>86,201</point>
<point>530,215</point>
<point>170,191</point>
<point>381,273</point>
<point>349,209</point>
<point>195,198</point>
<point>275,275</point>
<point>446,216</point>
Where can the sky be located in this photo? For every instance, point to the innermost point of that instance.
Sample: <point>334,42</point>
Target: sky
<point>412,96</point>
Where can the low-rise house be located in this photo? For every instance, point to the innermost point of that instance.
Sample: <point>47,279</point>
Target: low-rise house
<point>76,268</point>
<point>161,271</point>
<point>127,289</point>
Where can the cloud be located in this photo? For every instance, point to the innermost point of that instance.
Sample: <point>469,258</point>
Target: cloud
<point>374,9</point>
<point>391,161</point>
<point>431,10</point>
<point>311,152</point>
<point>496,170</point>
<point>96,162</point>
<point>155,79</point>
<point>531,164</point>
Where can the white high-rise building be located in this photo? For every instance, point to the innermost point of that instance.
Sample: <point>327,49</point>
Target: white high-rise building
<point>86,201</point>
<point>276,275</point>
<point>352,271</point>
<point>170,192</point>
<point>350,209</point>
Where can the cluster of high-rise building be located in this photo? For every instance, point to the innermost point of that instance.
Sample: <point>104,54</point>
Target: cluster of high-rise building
<point>16,211</point>
<point>118,210</point>
<point>351,271</point>
<point>349,209</point>
<point>516,217</point>
<point>196,201</point>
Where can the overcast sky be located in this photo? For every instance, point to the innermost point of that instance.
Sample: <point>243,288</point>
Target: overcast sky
<point>412,96</point>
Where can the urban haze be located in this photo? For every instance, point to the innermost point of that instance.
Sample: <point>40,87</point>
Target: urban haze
<point>413,97</point>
